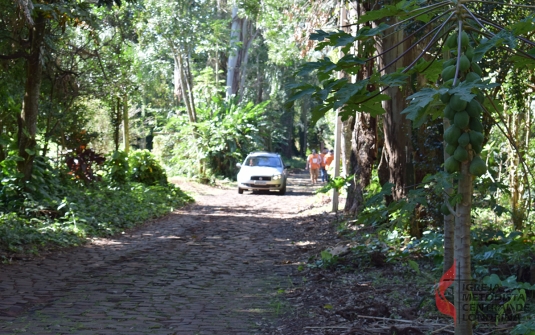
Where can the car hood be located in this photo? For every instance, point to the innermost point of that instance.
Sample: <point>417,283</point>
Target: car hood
<point>259,171</point>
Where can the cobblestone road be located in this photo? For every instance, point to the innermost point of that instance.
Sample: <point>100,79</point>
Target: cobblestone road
<point>213,267</point>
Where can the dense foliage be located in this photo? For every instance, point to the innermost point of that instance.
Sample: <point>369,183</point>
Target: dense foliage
<point>197,85</point>
<point>58,209</point>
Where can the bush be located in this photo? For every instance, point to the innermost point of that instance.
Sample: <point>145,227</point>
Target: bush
<point>144,168</point>
<point>117,168</point>
<point>55,210</point>
<point>99,209</point>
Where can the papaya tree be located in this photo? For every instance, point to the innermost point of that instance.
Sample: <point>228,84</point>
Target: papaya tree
<point>450,37</point>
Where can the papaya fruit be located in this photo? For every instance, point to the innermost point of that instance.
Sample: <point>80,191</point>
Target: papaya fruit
<point>475,125</point>
<point>451,41</point>
<point>449,62</point>
<point>475,68</point>
<point>480,97</point>
<point>469,53</point>
<point>444,209</point>
<point>452,134</point>
<point>464,40</point>
<point>460,154</point>
<point>456,103</point>
<point>472,77</point>
<point>476,138</point>
<point>445,98</point>
<point>452,165</point>
<point>477,148</point>
<point>464,140</point>
<point>448,84</point>
<point>474,109</point>
<point>461,119</point>
<point>464,63</point>
<point>477,166</point>
<point>450,149</point>
<point>448,73</point>
<point>449,113</point>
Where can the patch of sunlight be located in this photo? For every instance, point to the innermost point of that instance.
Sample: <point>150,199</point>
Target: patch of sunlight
<point>102,241</point>
<point>302,243</point>
<point>169,237</point>
<point>252,310</point>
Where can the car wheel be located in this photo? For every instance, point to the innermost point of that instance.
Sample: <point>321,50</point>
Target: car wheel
<point>283,190</point>
<point>240,190</point>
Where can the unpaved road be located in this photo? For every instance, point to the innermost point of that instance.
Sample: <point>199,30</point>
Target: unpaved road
<point>213,267</point>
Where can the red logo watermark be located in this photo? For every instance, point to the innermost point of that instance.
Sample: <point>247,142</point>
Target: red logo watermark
<point>443,305</point>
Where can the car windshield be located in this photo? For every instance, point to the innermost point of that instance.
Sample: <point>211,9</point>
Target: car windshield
<point>263,161</point>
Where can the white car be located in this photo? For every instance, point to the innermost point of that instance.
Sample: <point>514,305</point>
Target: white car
<point>262,171</point>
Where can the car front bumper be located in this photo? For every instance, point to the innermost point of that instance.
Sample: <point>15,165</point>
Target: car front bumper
<point>259,185</point>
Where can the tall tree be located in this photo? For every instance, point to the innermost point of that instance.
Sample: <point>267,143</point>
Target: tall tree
<point>29,32</point>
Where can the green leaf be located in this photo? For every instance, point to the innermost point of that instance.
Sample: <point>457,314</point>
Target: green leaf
<point>363,33</point>
<point>523,27</point>
<point>394,79</point>
<point>503,37</point>
<point>328,87</point>
<point>413,265</point>
<point>4,140</point>
<point>343,95</point>
<point>319,35</point>
<point>350,64</point>
<point>492,280</point>
<point>301,91</point>
<point>30,151</point>
<point>431,69</point>
<point>373,105</point>
<point>341,39</point>
<point>382,13</point>
<point>419,101</point>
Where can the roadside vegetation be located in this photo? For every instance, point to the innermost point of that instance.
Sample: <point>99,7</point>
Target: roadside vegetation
<point>59,208</point>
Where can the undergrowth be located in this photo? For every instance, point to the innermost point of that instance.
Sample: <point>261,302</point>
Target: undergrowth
<point>502,268</point>
<point>58,208</point>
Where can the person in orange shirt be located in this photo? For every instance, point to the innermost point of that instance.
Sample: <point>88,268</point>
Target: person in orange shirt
<point>328,160</point>
<point>314,163</point>
<point>323,171</point>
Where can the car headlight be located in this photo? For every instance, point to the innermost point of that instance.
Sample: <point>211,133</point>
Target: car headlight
<point>277,177</point>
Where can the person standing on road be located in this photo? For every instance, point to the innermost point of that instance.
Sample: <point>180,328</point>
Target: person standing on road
<point>323,171</point>
<point>314,164</point>
<point>329,157</point>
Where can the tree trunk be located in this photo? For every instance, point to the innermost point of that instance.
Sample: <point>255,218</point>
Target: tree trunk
<point>449,224</point>
<point>186,67</point>
<point>363,155</point>
<point>461,292</point>
<point>116,110</point>
<point>126,126</point>
<point>176,83</point>
<point>259,80</point>
<point>232,63</point>
<point>364,135</point>
<point>515,180</point>
<point>241,38</point>
<point>249,36</point>
<point>346,144</point>
<point>303,129</point>
<point>396,127</point>
<point>190,108</point>
<point>27,125</point>
<point>2,152</point>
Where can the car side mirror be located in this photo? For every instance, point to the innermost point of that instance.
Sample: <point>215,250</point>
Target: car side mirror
<point>287,166</point>
<point>238,165</point>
